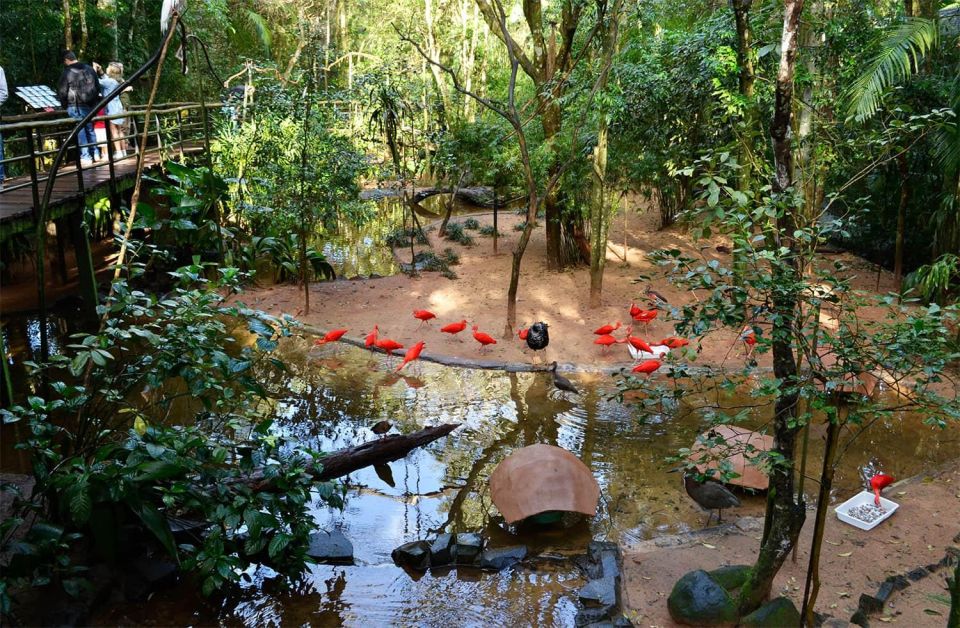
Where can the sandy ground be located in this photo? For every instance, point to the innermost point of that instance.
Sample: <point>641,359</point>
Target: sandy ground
<point>919,533</point>
<point>559,298</point>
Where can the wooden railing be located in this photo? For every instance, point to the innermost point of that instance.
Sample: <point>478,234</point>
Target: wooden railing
<point>31,142</point>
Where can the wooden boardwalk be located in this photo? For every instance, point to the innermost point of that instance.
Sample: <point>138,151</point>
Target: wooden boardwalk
<point>17,213</point>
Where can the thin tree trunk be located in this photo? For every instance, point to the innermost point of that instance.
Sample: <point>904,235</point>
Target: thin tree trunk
<point>741,15</point>
<point>785,513</point>
<point>812,586</point>
<point>84,34</point>
<point>67,25</point>
<point>904,170</point>
<point>305,217</point>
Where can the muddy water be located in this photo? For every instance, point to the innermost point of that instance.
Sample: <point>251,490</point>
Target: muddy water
<point>336,393</point>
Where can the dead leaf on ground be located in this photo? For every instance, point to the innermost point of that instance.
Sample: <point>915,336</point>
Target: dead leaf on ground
<point>708,546</point>
<point>845,554</point>
<point>831,542</point>
<point>844,594</point>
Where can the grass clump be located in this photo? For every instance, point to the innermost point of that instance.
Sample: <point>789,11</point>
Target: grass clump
<point>401,237</point>
<point>471,223</point>
<point>520,226</point>
<point>455,233</point>
<point>489,231</point>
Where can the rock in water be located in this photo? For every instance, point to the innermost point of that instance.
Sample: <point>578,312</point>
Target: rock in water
<point>502,557</point>
<point>331,548</point>
<point>467,548</point>
<point>440,550</point>
<point>601,592</point>
<point>415,555</point>
<point>697,600</point>
<point>776,613</point>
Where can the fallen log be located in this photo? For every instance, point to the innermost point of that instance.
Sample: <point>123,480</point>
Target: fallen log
<point>381,450</point>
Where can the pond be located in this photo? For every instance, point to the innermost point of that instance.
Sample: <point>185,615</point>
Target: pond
<point>336,393</point>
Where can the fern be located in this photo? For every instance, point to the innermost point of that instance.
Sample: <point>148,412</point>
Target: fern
<point>899,55</point>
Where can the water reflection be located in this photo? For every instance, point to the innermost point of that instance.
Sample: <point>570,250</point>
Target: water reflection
<point>443,487</point>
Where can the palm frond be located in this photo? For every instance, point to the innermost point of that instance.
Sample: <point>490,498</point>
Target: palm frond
<point>899,56</point>
<point>258,24</point>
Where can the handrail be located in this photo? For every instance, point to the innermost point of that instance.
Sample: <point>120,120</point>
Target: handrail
<point>43,124</point>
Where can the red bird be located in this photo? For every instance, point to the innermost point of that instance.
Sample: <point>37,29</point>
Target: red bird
<point>371,337</point>
<point>454,328</point>
<point>647,367</point>
<point>388,345</point>
<point>749,338</point>
<point>639,344</point>
<point>634,310</point>
<point>522,333</point>
<point>482,338</point>
<point>606,341</point>
<point>879,482</point>
<point>606,330</point>
<point>423,315</point>
<point>413,353</point>
<point>331,336</point>
<point>645,316</point>
<point>675,343</point>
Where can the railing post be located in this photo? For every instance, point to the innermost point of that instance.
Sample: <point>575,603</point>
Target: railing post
<point>114,198</point>
<point>34,185</point>
<point>180,130</point>
<point>80,186</point>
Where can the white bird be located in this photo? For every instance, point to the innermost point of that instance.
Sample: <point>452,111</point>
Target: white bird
<point>640,354</point>
<point>167,11</point>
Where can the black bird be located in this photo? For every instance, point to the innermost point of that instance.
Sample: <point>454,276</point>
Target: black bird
<point>537,337</point>
<point>710,496</point>
<point>562,382</point>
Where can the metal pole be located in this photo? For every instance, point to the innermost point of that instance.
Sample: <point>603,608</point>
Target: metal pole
<point>35,187</point>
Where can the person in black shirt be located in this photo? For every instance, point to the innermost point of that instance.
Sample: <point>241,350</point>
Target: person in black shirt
<point>79,91</point>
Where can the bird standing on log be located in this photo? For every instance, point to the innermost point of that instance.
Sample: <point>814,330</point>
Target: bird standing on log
<point>562,382</point>
<point>538,337</point>
<point>709,495</point>
<point>371,338</point>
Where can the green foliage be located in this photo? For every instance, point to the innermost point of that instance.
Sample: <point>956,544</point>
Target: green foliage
<point>400,237</point>
<point>471,223</point>
<point>938,282</point>
<point>489,231</point>
<point>114,444</point>
<point>456,233</point>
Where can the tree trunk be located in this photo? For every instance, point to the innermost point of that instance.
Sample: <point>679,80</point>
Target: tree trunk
<point>741,15</point>
<point>904,171</point>
<point>532,204</point>
<point>785,512</point>
<point>433,49</point>
<point>84,34</point>
<point>67,26</point>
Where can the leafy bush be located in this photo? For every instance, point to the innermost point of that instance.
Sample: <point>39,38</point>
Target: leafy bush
<point>399,238</point>
<point>489,231</point>
<point>455,233</point>
<point>471,223</point>
<point>119,463</point>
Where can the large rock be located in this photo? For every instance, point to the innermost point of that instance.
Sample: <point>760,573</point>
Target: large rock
<point>467,548</point>
<point>698,600</point>
<point>331,548</point>
<point>440,550</point>
<point>777,613</point>
<point>502,557</point>
<point>731,577</point>
<point>415,555</point>
<point>601,592</point>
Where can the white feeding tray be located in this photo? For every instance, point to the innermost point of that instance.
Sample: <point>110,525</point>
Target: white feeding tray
<point>860,499</point>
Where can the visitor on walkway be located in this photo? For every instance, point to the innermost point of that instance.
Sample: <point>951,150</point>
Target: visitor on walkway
<point>109,82</point>
<point>79,91</point>
<point>3,99</point>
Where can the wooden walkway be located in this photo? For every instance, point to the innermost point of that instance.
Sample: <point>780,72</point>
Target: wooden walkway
<point>17,205</point>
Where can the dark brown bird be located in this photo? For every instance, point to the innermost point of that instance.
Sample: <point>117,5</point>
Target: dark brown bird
<point>562,382</point>
<point>710,496</point>
<point>657,299</point>
<point>381,427</point>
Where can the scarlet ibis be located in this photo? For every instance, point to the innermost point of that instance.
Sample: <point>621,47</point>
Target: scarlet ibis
<point>634,310</point>
<point>331,336</point>
<point>371,337</point>
<point>538,336</point>
<point>423,316</point>
<point>381,427</point>
<point>675,343</point>
<point>413,353</point>
<point>647,367</point>
<point>749,338</point>
<point>637,343</point>
<point>562,382</point>
<point>388,345</point>
<point>606,330</point>
<point>482,338</point>
<point>879,482</point>
<point>606,341</point>
<point>709,495</point>
<point>454,328</point>
<point>655,353</point>
<point>523,333</point>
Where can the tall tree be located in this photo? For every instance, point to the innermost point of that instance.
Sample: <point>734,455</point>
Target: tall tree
<point>548,64</point>
<point>67,25</point>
